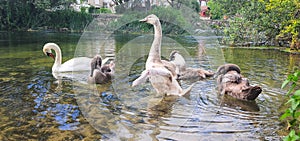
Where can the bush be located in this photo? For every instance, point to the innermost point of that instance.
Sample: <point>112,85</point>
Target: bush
<point>293,112</point>
<point>172,21</point>
<point>92,9</point>
<point>22,15</point>
<point>260,22</point>
<point>83,9</point>
<point>249,35</point>
<point>105,10</point>
<point>69,19</point>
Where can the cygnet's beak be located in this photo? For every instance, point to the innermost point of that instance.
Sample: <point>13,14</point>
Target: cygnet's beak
<point>143,20</point>
<point>50,55</point>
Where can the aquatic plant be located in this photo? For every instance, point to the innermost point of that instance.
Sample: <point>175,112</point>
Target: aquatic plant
<point>292,114</point>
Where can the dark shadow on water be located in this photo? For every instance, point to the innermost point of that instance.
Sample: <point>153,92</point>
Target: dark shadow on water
<point>234,103</point>
<point>162,108</point>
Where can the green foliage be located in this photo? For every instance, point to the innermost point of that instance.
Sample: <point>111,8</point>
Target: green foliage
<point>129,23</point>
<point>69,19</point>
<point>216,10</point>
<point>54,3</point>
<point>248,27</point>
<point>259,22</point>
<point>292,113</point>
<point>92,9</point>
<point>178,4</point>
<point>249,34</point>
<point>219,8</point>
<point>287,15</point>
<point>172,21</point>
<point>22,15</point>
<point>83,9</point>
<point>292,136</point>
<point>292,78</point>
<point>104,10</point>
<point>195,5</point>
<point>42,4</point>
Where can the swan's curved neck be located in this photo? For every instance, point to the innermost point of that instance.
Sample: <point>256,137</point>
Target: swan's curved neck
<point>155,51</point>
<point>57,61</point>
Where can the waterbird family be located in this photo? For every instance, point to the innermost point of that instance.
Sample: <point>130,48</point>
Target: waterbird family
<point>162,74</point>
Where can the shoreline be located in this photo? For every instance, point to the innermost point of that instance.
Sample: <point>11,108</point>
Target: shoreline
<point>282,49</point>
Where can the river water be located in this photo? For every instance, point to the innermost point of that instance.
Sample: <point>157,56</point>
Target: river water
<point>37,106</point>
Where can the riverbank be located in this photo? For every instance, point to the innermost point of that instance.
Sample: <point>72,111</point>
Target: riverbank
<point>282,49</point>
<point>43,31</point>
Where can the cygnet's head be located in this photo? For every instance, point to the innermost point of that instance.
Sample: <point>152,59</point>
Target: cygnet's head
<point>105,69</point>
<point>151,19</point>
<point>96,62</point>
<point>173,55</point>
<point>108,68</point>
<point>232,76</point>
<point>223,69</point>
<point>177,58</point>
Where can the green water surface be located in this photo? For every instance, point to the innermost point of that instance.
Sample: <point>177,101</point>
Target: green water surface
<point>35,106</point>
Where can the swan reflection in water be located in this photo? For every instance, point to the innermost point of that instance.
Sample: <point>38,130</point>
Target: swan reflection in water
<point>231,102</point>
<point>162,107</point>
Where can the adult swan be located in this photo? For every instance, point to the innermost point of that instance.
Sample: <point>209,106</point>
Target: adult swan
<point>74,64</point>
<point>161,76</point>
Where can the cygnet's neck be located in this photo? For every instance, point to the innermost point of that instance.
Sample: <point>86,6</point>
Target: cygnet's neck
<point>155,51</point>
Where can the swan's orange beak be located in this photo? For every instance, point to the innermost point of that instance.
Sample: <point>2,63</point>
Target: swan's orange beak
<point>51,55</point>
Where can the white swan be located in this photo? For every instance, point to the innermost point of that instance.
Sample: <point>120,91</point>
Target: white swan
<point>160,73</point>
<point>101,74</point>
<point>74,64</point>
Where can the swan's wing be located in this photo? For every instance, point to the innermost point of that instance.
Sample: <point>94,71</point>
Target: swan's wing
<point>159,71</point>
<point>171,67</point>
<point>187,90</point>
<point>76,64</point>
<point>151,72</point>
<point>141,79</point>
